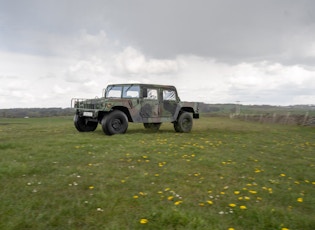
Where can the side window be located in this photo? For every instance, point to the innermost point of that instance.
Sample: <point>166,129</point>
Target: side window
<point>169,95</point>
<point>131,91</point>
<point>152,94</point>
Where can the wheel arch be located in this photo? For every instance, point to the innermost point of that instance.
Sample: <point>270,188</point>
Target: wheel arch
<point>123,109</point>
<point>189,110</point>
<point>185,109</point>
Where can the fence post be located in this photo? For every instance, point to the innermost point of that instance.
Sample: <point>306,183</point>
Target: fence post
<point>287,118</point>
<point>274,118</point>
<point>305,118</point>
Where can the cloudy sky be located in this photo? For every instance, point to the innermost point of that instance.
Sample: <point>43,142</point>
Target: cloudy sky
<point>214,51</point>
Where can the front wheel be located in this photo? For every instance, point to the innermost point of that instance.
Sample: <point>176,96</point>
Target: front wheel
<point>184,123</point>
<point>115,122</point>
<point>83,125</point>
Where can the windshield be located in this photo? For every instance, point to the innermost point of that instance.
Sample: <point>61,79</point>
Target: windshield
<point>113,91</point>
<point>123,91</point>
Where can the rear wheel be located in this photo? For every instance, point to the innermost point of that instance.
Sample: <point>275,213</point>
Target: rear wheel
<point>184,123</point>
<point>152,126</point>
<point>115,122</point>
<point>84,125</point>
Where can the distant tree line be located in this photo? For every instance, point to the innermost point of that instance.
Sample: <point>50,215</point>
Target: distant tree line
<point>35,112</point>
<point>209,109</point>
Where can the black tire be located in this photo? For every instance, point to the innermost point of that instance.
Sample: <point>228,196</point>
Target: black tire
<point>152,126</point>
<point>82,125</point>
<point>115,122</point>
<point>184,123</point>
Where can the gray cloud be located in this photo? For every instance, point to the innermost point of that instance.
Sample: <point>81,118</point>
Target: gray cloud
<point>212,50</point>
<point>228,30</point>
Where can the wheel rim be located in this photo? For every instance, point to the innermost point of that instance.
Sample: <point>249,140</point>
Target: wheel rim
<point>116,124</point>
<point>186,123</point>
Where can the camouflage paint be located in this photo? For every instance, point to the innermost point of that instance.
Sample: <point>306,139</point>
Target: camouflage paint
<point>142,103</point>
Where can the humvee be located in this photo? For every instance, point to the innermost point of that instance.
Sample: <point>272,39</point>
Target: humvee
<point>140,103</point>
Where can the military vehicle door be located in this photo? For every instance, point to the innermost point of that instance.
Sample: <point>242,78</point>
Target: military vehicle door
<point>150,106</point>
<point>169,103</point>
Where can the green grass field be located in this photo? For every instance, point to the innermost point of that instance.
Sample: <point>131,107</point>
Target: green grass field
<point>225,174</point>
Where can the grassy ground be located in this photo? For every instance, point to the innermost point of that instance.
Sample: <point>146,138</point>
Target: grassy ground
<point>225,174</point>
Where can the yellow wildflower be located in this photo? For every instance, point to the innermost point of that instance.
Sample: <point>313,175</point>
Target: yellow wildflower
<point>300,199</point>
<point>209,202</point>
<point>144,221</point>
<point>178,202</point>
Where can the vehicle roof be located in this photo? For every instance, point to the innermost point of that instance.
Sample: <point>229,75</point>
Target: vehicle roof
<point>146,85</point>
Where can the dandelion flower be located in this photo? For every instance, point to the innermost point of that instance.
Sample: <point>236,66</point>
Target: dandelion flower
<point>144,221</point>
<point>282,174</point>
<point>170,197</point>
<point>236,192</point>
<point>300,199</point>
<point>243,207</point>
<point>91,187</point>
<point>209,202</point>
<point>284,229</point>
<point>135,197</point>
<point>201,204</point>
<point>178,202</point>
<point>232,205</point>
<point>230,228</point>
